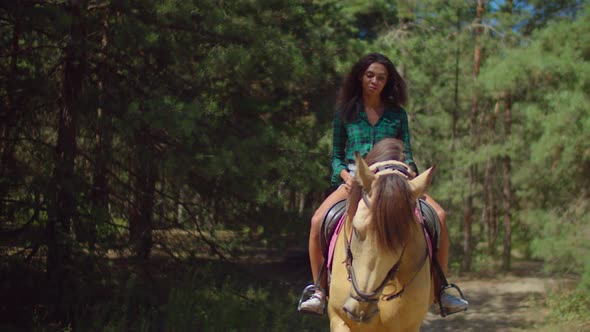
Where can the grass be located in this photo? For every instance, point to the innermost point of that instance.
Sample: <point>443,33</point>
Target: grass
<point>570,308</point>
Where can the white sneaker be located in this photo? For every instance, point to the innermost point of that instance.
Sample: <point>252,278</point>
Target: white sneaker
<point>452,304</point>
<point>315,304</point>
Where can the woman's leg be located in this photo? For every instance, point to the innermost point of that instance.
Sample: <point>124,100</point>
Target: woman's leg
<point>315,254</point>
<point>316,303</point>
<point>450,303</point>
<point>444,244</point>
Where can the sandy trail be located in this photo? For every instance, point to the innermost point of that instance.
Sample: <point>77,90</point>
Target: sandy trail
<point>510,302</point>
<point>499,302</point>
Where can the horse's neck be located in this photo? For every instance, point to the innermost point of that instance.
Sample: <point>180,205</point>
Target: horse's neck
<point>415,252</point>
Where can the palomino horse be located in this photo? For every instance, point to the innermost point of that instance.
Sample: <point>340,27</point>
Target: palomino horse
<point>381,277</point>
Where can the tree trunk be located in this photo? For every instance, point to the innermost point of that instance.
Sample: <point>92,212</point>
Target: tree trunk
<point>291,200</point>
<point>62,206</point>
<point>301,202</point>
<point>489,221</point>
<point>141,218</point>
<point>507,187</point>
<point>468,209</point>
<point>507,190</point>
<point>467,222</point>
<point>104,128</point>
<point>489,197</point>
<point>456,110</point>
<point>6,142</point>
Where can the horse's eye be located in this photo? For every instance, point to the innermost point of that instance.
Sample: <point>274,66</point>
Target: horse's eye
<point>358,233</point>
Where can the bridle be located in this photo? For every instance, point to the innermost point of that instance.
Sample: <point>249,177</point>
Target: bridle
<point>373,296</point>
<point>394,167</point>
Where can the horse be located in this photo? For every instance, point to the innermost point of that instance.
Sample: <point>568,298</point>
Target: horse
<point>381,275</point>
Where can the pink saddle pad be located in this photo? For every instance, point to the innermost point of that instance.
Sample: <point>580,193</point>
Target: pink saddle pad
<point>333,241</point>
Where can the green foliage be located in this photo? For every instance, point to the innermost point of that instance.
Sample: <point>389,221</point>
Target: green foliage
<point>562,236</point>
<point>213,309</point>
<point>569,307</point>
<point>230,306</point>
<point>189,114</point>
<point>204,299</point>
<point>212,115</point>
<point>585,279</point>
<point>550,76</point>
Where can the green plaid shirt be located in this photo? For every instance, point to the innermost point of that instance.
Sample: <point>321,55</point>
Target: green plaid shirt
<point>361,136</point>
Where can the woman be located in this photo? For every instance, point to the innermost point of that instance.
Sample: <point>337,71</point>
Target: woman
<point>369,110</point>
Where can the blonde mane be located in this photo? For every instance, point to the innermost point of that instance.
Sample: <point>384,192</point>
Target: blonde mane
<point>392,211</point>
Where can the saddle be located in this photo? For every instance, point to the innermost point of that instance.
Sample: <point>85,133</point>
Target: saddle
<point>329,225</point>
<point>432,223</point>
<point>335,213</point>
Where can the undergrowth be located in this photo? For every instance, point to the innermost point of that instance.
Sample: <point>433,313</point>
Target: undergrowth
<point>569,307</point>
<point>207,298</point>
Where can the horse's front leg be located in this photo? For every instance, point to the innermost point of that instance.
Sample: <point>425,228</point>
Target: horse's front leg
<point>338,325</point>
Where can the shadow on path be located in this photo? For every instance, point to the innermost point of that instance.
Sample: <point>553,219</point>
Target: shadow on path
<point>500,304</point>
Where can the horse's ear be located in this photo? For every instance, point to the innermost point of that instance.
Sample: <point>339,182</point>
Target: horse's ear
<point>364,175</point>
<point>419,184</point>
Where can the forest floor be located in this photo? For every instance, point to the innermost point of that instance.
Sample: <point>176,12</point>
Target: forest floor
<point>514,301</point>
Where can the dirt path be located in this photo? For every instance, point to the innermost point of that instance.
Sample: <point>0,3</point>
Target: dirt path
<point>510,302</point>
<point>499,302</point>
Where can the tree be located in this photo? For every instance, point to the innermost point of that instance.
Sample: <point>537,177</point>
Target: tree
<point>547,106</point>
<point>62,209</point>
<point>149,107</point>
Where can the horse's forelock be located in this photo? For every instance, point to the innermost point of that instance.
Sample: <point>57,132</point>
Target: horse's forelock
<point>392,211</point>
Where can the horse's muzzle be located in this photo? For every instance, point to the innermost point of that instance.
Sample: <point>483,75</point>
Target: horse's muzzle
<point>360,312</point>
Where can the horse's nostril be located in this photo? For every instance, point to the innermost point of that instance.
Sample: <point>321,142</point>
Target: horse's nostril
<point>352,316</point>
<point>361,313</point>
<point>350,307</point>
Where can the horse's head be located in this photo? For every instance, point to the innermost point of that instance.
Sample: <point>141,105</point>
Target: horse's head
<point>381,228</point>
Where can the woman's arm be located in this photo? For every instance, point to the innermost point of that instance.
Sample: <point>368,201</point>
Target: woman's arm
<point>339,138</point>
<point>405,136</point>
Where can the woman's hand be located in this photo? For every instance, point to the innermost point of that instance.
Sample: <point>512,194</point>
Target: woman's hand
<point>348,180</point>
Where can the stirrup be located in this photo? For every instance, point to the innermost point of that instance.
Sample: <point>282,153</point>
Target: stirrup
<point>307,293</point>
<point>443,312</point>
